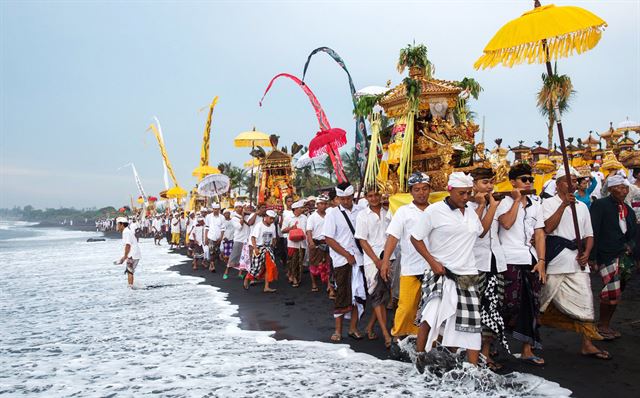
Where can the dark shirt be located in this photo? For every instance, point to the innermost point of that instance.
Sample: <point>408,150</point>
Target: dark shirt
<point>608,240</point>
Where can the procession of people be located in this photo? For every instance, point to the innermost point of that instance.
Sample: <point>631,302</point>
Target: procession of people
<point>474,271</point>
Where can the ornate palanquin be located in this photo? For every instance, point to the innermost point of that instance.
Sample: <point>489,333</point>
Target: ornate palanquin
<point>277,176</point>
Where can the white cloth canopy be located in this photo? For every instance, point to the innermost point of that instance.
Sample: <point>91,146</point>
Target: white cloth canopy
<point>304,160</point>
<point>214,184</point>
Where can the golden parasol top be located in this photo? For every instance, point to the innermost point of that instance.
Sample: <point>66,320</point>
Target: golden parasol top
<point>252,138</point>
<point>253,162</point>
<point>176,192</point>
<point>564,30</point>
<point>202,171</point>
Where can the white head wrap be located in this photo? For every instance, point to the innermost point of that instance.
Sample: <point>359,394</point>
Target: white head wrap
<point>348,191</point>
<point>271,213</point>
<point>322,198</point>
<point>122,220</point>
<point>616,180</point>
<point>215,206</point>
<point>298,204</point>
<point>459,179</point>
<point>560,173</point>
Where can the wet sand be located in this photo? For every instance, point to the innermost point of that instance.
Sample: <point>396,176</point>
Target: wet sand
<point>298,313</point>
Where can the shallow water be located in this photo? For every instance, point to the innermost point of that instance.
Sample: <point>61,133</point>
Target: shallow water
<point>70,327</point>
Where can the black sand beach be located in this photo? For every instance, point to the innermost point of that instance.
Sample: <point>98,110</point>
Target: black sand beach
<point>302,315</point>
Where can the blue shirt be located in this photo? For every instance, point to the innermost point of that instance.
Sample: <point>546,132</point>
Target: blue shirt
<point>586,199</point>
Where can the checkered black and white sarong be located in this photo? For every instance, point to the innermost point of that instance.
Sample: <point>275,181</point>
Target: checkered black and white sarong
<point>468,317</point>
<point>492,295</point>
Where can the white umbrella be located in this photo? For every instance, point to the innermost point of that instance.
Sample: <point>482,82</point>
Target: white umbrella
<point>214,184</point>
<point>304,160</point>
<point>372,90</point>
<point>629,125</point>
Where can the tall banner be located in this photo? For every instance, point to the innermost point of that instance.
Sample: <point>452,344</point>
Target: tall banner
<point>165,176</point>
<point>137,179</point>
<point>361,129</point>
<point>163,152</point>
<point>204,152</point>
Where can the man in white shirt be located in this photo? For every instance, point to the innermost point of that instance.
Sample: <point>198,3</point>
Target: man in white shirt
<point>490,262</point>
<point>338,230</point>
<point>566,300</point>
<point>131,249</point>
<point>445,236</point>
<point>412,265</point>
<point>263,240</point>
<point>318,249</point>
<point>198,241</point>
<point>521,222</point>
<point>227,239</point>
<point>599,176</point>
<point>371,225</point>
<point>295,248</point>
<point>156,229</point>
<point>175,231</point>
<point>214,224</point>
<point>240,236</point>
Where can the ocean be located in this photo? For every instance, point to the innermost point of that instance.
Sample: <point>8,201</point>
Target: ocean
<point>70,327</point>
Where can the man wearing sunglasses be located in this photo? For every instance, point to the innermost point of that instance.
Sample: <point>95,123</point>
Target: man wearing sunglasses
<point>522,238</point>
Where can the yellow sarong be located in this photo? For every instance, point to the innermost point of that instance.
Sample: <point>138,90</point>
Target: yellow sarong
<point>408,301</point>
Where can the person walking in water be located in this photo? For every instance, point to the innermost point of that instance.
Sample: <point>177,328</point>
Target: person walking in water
<point>131,249</point>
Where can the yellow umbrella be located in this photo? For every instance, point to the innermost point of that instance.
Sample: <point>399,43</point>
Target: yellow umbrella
<point>176,192</point>
<point>541,35</point>
<point>253,162</point>
<point>538,36</point>
<point>251,138</point>
<point>202,171</point>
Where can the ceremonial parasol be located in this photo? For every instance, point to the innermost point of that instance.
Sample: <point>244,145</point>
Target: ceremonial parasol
<point>539,36</point>
<point>328,141</point>
<point>372,90</point>
<point>202,171</point>
<point>214,184</point>
<point>251,163</point>
<point>251,139</point>
<point>304,160</point>
<point>176,193</point>
<point>629,125</point>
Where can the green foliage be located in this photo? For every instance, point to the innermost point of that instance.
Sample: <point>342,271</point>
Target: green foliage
<point>471,85</point>
<point>556,89</point>
<point>413,88</point>
<point>56,216</point>
<point>415,56</point>
<point>238,176</point>
<point>365,105</point>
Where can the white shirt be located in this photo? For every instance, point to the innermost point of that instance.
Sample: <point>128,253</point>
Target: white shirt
<point>549,187</point>
<point>191,223</point>
<point>228,230</point>
<point>157,225</point>
<point>183,224</point>
<point>198,234</point>
<point>301,221</point>
<point>566,262</point>
<point>264,234</point>
<point>336,228</point>
<point>315,223</point>
<point>597,191</point>
<point>372,228</point>
<point>175,225</point>
<point>488,245</point>
<point>214,226</point>
<point>286,214</point>
<point>516,241</point>
<point>450,236</point>
<point>129,238</point>
<point>241,231</point>
<point>402,222</point>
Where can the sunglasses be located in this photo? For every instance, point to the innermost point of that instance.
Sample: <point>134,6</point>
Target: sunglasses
<point>526,179</point>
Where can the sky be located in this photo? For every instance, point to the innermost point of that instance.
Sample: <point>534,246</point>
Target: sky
<point>80,81</point>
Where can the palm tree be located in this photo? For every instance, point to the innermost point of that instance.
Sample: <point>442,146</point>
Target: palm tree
<point>237,176</point>
<point>326,167</point>
<point>351,167</point>
<point>556,89</point>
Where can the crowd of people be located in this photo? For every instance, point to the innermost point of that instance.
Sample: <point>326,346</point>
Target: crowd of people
<point>465,272</point>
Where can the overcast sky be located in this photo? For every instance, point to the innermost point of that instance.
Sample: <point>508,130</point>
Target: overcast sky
<point>81,81</point>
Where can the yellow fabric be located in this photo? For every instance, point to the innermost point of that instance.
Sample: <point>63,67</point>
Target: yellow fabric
<point>202,171</point>
<point>252,163</point>
<point>204,152</point>
<point>566,29</point>
<point>175,238</point>
<point>552,317</point>
<point>400,199</point>
<point>163,152</point>
<point>176,192</point>
<point>252,138</point>
<point>373,165</point>
<point>406,153</point>
<point>408,302</point>
<point>383,172</point>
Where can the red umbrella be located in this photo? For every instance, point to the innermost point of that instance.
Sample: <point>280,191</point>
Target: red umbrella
<point>328,141</point>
